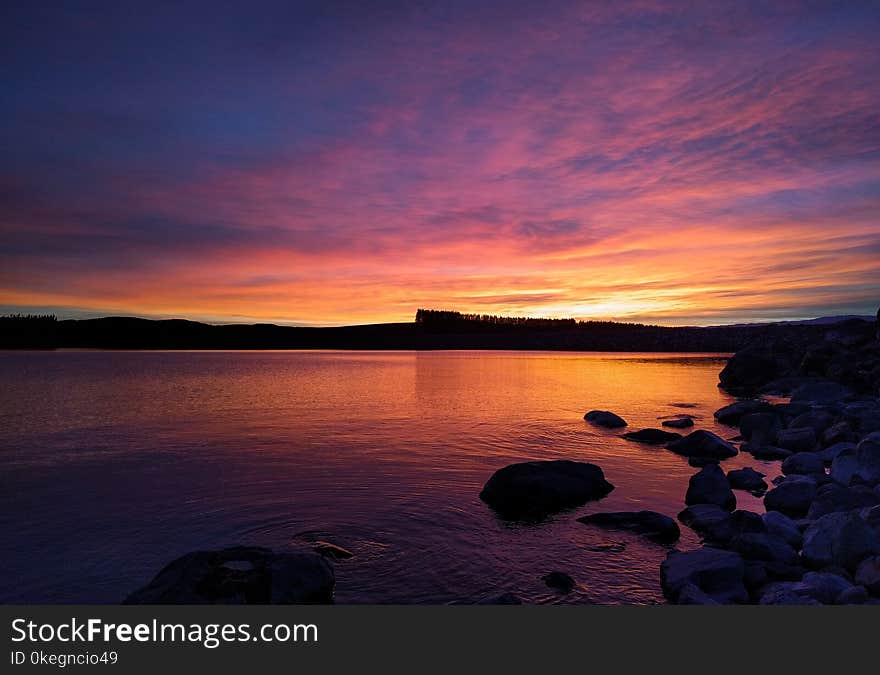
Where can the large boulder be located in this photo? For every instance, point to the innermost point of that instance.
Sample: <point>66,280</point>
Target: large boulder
<point>839,539</point>
<point>703,443</point>
<point>537,489</point>
<point>733,413</point>
<point>604,418</point>
<point>710,486</point>
<point>653,525</point>
<point>817,419</point>
<point>792,497</point>
<point>240,575</point>
<point>652,436</point>
<point>717,573</point>
<point>747,479</point>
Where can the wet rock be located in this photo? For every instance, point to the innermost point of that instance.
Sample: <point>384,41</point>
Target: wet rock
<point>731,414</point>
<point>559,581</point>
<point>854,595</point>
<point>606,419</point>
<point>792,497</point>
<point>816,419</point>
<point>712,523</point>
<point>784,593</point>
<point>703,443</point>
<point>868,458</point>
<point>539,488</point>
<point>824,587</point>
<point>655,526</point>
<point>679,423</point>
<point>747,479</point>
<point>868,574</point>
<point>767,453</point>
<point>717,573</point>
<point>710,486</point>
<point>837,433</point>
<point>845,466</point>
<point>692,595</point>
<point>760,427</point>
<point>332,551</point>
<point>830,453</point>
<point>240,575</point>
<point>842,539</point>
<point>805,464</point>
<point>652,436</point>
<point>797,440</point>
<point>700,462</point>
<point>821,392</point>
<point>832,498</point>
<point>780,525</point>
<point>763,546</point>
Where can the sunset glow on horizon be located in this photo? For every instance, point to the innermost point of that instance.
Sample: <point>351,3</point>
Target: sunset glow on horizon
<point>341,163</point>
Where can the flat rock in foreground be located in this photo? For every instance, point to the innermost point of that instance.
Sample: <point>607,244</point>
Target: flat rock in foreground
<point>655,526</point>
<point>240,575</point>
<point>539,488</point>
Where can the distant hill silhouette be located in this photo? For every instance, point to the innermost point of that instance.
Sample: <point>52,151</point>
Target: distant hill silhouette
<point>432,329</point>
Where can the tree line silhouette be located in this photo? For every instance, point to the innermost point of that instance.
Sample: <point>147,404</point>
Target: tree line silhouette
<point>453,319</point>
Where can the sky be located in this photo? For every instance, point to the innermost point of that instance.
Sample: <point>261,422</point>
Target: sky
<point>326,163</point>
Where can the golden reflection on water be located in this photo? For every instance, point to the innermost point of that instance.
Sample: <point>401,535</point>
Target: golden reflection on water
<point>128,459</point>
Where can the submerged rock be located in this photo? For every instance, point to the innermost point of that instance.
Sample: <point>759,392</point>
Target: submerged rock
<point>716,573</point>
<point>747,479</point>
<point>604,418</point>
<point>703,443</point>
<point>710,486</point>
<point>240,575</point>
<point>537,489</point>
<point>653,525</point>
<point>651,436</point>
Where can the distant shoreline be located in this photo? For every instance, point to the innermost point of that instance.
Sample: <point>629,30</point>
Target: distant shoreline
<point>115,333</point>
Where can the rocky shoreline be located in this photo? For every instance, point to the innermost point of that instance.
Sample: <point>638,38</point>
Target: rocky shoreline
<point>812,405</point>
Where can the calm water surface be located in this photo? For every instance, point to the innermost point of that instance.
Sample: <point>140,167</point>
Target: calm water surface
<point>114,463</point>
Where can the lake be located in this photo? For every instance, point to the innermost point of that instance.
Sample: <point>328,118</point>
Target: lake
<point>114,463</point>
